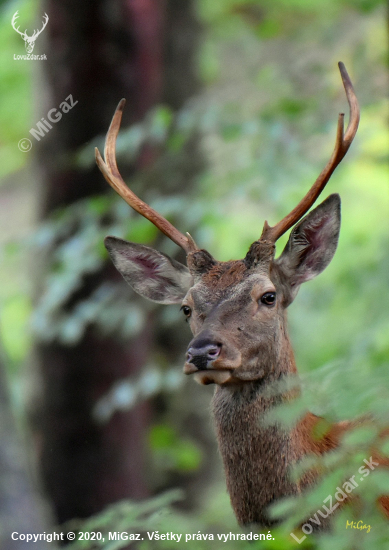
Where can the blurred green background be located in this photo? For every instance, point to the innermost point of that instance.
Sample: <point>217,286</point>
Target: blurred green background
<point>239,143</point>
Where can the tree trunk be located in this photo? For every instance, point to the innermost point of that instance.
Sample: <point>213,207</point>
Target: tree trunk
<point>99,51</point>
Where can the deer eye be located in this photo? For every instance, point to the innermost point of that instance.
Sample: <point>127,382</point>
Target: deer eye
<point>187,311</point>
<point>269,298</point>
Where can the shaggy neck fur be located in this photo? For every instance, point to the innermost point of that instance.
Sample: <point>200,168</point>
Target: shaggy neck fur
<point>256,458</point>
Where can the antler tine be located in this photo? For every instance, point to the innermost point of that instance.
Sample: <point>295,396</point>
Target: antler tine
<point>109,169</point>
<point>13,22</point>
<point>45,21</point>
<point>342,144</point>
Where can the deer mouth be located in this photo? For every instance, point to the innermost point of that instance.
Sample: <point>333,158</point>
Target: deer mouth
<point>211,376</point>
<point>210,373</point>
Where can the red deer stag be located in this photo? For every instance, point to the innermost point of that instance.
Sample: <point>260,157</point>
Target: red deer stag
<point>237,313</point>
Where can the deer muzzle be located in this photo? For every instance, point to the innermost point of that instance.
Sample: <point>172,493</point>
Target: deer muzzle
<point>210,360</point>
<point>204,356</point>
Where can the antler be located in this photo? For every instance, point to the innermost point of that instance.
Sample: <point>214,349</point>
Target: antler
<point>37,33</point>
<point>342,144</point>
<point>111,173</point>
<point>13,22</point>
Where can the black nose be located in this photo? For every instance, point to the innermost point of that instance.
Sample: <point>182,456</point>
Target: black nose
<point>201,354</point>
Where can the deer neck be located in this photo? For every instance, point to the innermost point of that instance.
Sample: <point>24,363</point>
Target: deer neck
<point>256,458</point>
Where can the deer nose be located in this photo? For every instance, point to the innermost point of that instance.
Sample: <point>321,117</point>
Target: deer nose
<point>201,356</point>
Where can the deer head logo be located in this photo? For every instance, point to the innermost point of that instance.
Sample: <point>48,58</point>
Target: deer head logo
<point>29,40</point>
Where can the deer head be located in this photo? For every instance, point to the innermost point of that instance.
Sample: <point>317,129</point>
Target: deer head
<point>236,309</point>
<point>29,40</point>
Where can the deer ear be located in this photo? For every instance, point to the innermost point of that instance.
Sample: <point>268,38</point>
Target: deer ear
<point>150,273</point>
<point>311,245</point>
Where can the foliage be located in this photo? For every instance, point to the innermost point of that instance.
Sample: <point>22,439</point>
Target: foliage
<point>124,517</point>
<point>337,393</point>
<point>156,517</point>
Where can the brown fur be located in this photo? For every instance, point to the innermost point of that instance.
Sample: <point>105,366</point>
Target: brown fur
<point>225,274</point>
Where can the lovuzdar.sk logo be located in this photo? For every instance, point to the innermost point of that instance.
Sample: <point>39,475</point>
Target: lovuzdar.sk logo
<point>29,41</point>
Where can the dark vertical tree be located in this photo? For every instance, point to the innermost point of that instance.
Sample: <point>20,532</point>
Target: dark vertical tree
<point>100,51</point>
